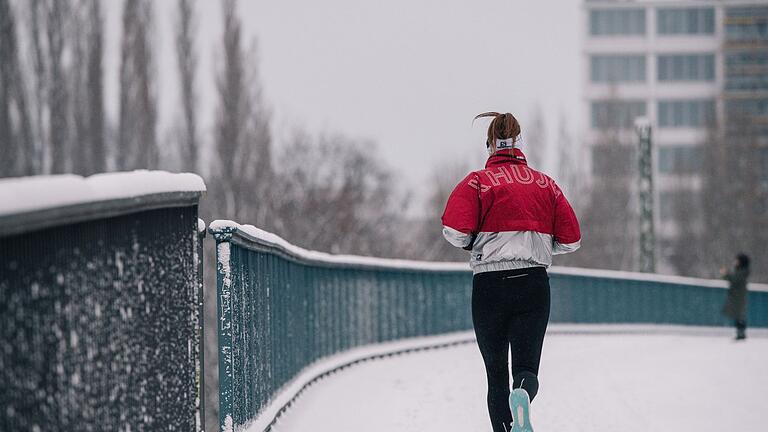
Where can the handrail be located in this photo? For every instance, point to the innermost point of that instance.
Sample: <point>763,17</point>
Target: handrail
<point>253,237</point>
<point>38,202</point>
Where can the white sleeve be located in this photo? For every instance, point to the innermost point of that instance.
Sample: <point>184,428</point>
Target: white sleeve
<point>456,238</point>
<point>564,248</point>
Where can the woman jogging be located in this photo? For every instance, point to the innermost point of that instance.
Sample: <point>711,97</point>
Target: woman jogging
<point>512,219</point>
<point>736,303</point>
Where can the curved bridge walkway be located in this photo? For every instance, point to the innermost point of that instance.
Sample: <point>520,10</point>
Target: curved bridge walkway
<point>599,380</point>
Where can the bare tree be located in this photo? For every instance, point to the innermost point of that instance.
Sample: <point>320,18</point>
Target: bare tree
<point>608,218</point>
<point>729,213</point>
<point>243,141</point>
<point>233,109</point>
<point>187,62</point>
<point>16,138</point>
<point>689,250</point>
<point>336,196</point>
<point>96,139</point>
<point>9,165</point>
<point>735,213</point>
<point>39,100</point>
<point>572,176</point>
<point>690,254</point>
<point>424,239</point>
<point>571,172</point>
<point>64,40</point>
<point>79,151</point>
<point>137,139</point>
<point>535,142</point>
<point>58,95</point>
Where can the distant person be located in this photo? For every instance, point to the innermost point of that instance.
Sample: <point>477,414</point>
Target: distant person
<point>512,219</point>
<point>736,303</point>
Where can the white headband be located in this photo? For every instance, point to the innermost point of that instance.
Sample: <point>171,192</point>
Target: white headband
<point>505,143</point>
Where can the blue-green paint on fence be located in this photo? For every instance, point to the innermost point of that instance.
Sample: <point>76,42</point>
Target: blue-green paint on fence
<point>280,312</point>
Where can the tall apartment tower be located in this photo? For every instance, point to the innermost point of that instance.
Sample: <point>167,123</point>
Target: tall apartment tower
<point>683,64</point>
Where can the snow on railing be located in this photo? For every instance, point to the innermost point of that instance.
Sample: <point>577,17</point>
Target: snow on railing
<point>250,232</point>
<point>100,302</point>
<point>648,277</point>
<point>284,311</point>
<point>33,203</point>
<point>24,194</point>
<point>267,238</point>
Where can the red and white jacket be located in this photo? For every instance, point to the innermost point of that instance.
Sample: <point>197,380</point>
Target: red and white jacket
<point>510,216</point>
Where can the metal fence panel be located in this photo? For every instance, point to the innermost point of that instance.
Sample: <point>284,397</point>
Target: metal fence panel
<point>279,315</point>
<point>599,299</point>
<point>100,324</point>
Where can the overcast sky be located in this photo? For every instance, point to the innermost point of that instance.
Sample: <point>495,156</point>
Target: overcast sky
<point>409,74</point>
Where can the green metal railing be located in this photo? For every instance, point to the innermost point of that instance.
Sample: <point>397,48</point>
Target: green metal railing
<point>100,316</point>
<point>279,312</point>
<point>607,297</point>
<point>282,308</point>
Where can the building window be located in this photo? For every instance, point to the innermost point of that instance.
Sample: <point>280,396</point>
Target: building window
<point>746,58</point>
<point>666,205</point>
<point>616,114</point>
<point>682,207</point>
<point>680,159</point>
<point>746,81</point>
<point>746,24</point>
<point>747,107</point>
<point>746,117</point>
<point>764,163</point>
<point>762,207</point>
<point>746,70</point>
<point>746,33</point>
<point>686,113</point>
<point>607,22</point>
<point>686,67</point>
<point>612,160</point>
<point>764,166</point>
<point>685,21</point>
<point>616,68</point>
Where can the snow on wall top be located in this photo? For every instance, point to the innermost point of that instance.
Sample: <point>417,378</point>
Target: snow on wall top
<point>315,256</point>
<point>25,194</point>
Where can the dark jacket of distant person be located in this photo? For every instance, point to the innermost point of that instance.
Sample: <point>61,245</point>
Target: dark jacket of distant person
<point>736,301</point>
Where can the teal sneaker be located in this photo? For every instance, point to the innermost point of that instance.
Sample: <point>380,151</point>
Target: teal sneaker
<point>520,405</point>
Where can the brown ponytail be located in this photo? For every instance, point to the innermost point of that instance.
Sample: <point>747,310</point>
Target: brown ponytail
<point>503,126</point>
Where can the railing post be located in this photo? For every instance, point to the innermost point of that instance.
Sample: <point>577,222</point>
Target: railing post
<point>645,194</point>
<point>224,277</point>
<point>201,327</point>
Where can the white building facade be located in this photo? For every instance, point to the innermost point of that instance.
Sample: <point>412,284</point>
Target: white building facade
<point>679,63</point>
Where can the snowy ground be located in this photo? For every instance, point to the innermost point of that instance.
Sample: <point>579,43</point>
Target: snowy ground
<point>596,382</point>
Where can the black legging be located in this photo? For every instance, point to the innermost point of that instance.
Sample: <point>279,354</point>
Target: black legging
<point>510,309</point>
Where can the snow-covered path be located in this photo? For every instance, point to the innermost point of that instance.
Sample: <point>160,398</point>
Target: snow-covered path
<point>589,382</point>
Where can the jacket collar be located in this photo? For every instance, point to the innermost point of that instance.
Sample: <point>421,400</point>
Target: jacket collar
<point>514,156</point>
